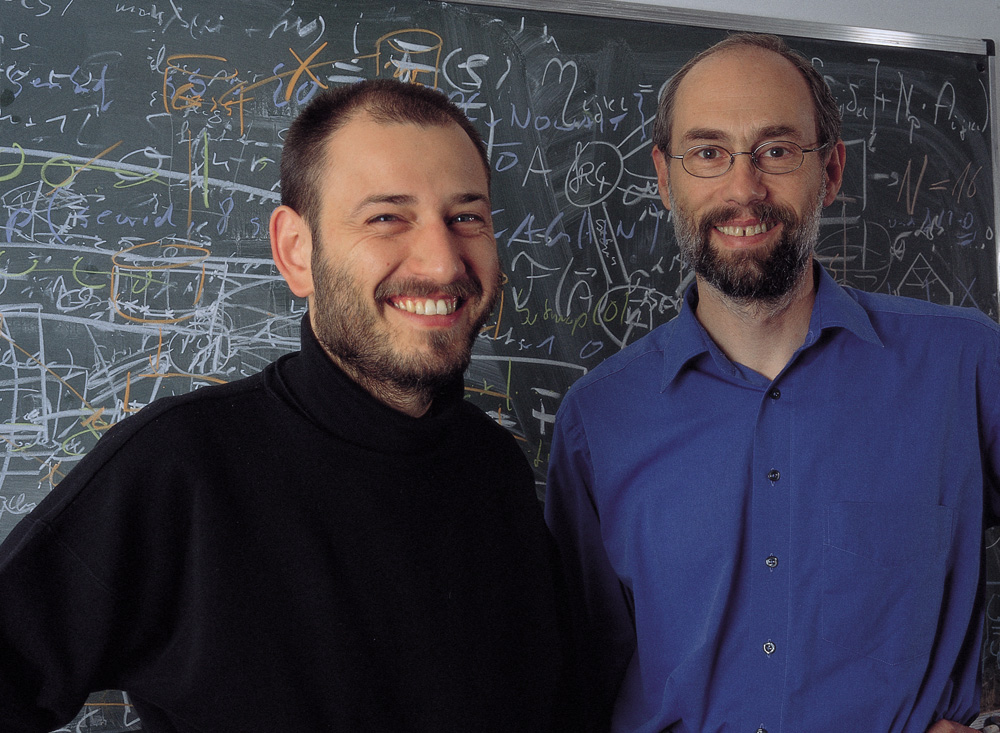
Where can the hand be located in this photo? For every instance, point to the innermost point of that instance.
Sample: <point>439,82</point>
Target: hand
<point>946,726</point>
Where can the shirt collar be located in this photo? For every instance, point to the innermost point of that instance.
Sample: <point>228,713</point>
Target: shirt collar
<point>686,339</point>
<point>834,307</point>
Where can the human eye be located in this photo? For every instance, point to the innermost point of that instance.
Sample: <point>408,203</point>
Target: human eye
<point>706,161</point>
<point>707,153</point>
<point>468,224</point>
<point>386,224</point>
<point>777,150</point>
<point>778,156</point>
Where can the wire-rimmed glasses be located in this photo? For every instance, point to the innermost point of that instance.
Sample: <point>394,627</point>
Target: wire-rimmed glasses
<point>776,157</point>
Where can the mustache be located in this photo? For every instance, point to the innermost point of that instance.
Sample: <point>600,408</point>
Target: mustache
<point>463,289</point>
<point>765,212</point>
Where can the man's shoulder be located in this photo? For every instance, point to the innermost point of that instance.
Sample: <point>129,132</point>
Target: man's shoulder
<point>217,402</point>
<point>924,316</point>
<point>182,433</point>
<point>181,423</point>
<point>634,364</point>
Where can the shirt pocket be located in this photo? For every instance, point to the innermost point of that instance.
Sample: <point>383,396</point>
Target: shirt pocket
<point>884,570</point>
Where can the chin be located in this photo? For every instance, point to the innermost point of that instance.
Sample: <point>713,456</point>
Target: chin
<point>440,355</point>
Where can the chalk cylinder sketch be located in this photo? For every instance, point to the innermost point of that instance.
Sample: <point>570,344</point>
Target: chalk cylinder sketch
<point>412,55</point>
<point>158,282</point>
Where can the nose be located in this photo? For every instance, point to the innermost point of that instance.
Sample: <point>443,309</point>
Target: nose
<point>436,254</point>
<point>744,182</point>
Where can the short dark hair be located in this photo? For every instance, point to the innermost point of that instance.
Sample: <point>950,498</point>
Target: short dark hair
<point>386,101</point>
<point>824,105</point>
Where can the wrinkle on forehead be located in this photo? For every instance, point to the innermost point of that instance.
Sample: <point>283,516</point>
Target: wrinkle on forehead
<point>767,132</point>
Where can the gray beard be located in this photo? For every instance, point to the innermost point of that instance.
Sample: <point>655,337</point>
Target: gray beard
<point>766,278</point>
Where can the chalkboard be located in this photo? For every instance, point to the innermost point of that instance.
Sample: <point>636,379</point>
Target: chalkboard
<point>139,149</point>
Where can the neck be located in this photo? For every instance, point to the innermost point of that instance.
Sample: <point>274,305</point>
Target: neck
<point>762,335</point>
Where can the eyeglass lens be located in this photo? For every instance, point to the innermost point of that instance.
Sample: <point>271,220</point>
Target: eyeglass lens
<point>774,157</point>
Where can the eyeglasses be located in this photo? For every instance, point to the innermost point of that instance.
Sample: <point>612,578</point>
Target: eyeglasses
<point>776,157</point>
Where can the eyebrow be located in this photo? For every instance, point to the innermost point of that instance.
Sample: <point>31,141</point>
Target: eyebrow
<point>773,132</point>
<point>402,199</point>
<point>472,197</point>
<point>378,199</point>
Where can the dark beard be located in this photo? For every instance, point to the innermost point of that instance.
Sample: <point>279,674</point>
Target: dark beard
<point>765,276</point>
<point>350,332</point>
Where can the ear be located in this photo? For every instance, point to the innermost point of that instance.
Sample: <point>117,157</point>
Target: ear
<point>835,172</point>
<point>291,248</point>
<point>662,165</point>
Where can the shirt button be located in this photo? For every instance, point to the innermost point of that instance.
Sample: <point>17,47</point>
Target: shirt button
<point>773,475</point>
<point>762,730</point>
<point>771,562</point>
<point>769,648</point>
<point>774,394</point>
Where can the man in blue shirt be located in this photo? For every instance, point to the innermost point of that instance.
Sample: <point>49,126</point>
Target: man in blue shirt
<point>771,508</point>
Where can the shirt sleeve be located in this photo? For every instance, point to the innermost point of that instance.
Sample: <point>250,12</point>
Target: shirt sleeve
<point>50,604</point>
<point>77,592</point>
<point>989,400</point>
<point>603,622</point>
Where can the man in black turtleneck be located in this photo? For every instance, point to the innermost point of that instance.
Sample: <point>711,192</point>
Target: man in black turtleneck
<point>341,542</point>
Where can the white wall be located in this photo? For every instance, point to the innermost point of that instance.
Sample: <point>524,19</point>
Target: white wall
<point>959,18</point>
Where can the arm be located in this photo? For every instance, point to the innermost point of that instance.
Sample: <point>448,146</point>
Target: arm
<point>71,581</point>
<point>989,388</point>
<point>47,600</point>
<point>990,432</point>
<point>601,607</point>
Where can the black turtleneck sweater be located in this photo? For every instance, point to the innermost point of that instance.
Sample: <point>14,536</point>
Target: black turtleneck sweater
<point>285,553</point>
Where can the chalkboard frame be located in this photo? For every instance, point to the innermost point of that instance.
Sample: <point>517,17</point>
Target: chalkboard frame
<point>736,21</point>
<point>783,27</point>
<point>658,14</point>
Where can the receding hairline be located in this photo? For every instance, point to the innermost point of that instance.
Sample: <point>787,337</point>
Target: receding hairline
<point>822,102</point>
<point>728,52</point>
<point>736,49</point>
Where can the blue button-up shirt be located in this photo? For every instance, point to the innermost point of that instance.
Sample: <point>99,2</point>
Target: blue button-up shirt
<point>799,555</point>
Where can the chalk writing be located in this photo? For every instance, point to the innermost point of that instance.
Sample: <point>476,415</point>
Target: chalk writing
<point>139,165</point>
<point>139,178</point>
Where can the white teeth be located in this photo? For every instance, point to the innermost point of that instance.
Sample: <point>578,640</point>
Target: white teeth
<point>428,306</point>
<point>744,231</point>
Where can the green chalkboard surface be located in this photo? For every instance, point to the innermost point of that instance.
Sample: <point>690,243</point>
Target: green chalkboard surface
<point>139,149</point>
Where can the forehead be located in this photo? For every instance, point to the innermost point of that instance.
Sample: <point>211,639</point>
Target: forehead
<point>404,152</point>
<point>741,93</point>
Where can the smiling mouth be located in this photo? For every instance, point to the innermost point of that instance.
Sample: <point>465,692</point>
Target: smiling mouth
<point>749,231</point>
<point>427,306</point>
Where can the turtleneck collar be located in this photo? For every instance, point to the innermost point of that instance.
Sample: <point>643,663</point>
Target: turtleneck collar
<point>319,389</point>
